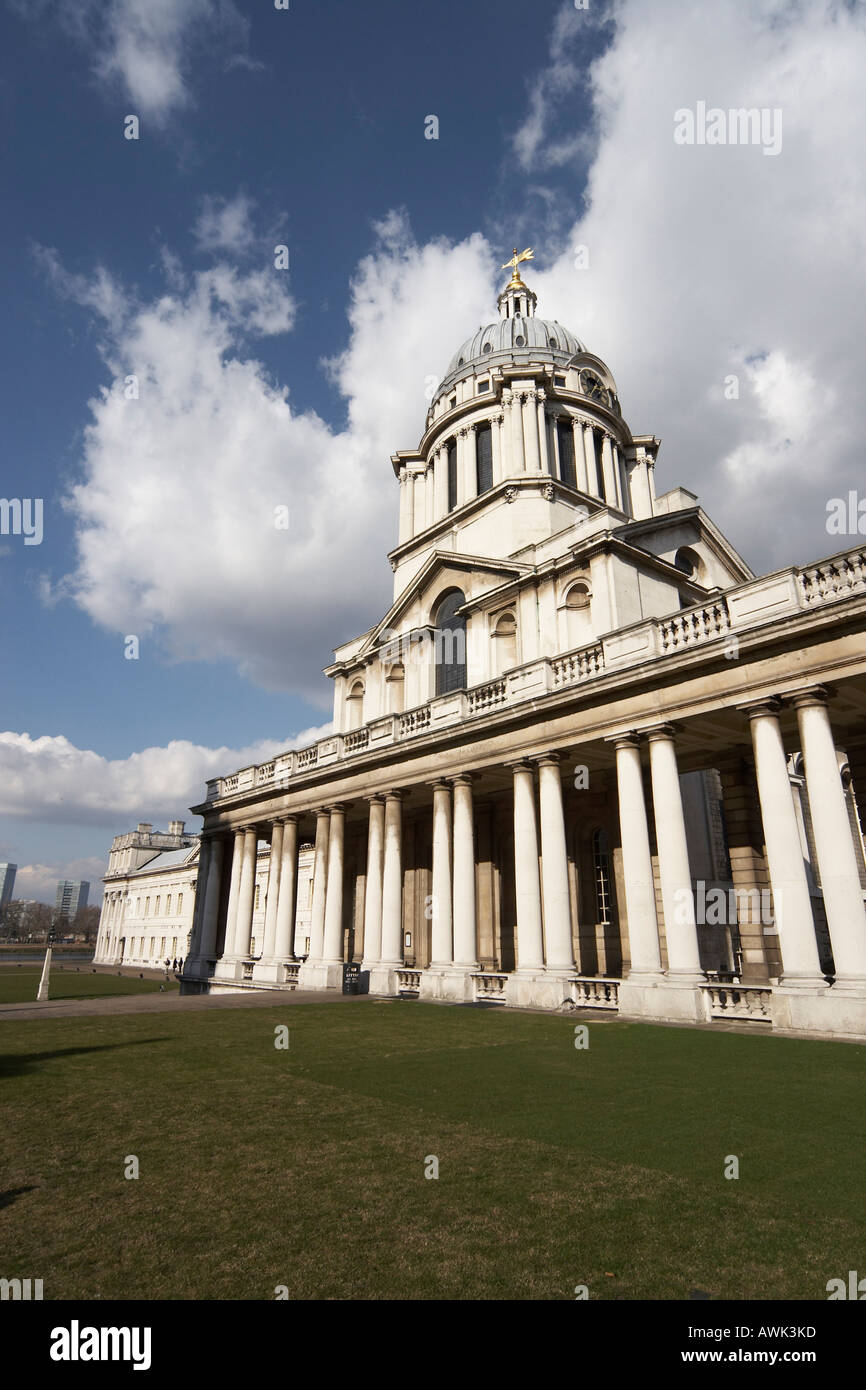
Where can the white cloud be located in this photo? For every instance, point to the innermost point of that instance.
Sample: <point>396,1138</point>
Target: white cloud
<point>716,260</point>
<point>225,224</point>
<point>175,513</point>
<point>51,780</point>
<point>40,880</point>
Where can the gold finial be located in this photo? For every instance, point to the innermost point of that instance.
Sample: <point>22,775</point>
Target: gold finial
<point>527,255</point>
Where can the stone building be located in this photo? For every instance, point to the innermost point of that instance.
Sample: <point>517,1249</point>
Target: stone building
<point>586,756</point>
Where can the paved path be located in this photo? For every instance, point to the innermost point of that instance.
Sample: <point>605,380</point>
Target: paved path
<point>172,1003</point>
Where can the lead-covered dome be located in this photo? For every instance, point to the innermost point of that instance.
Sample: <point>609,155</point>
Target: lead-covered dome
<point>513,336</point>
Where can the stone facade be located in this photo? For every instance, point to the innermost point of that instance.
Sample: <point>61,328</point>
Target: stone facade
<point>580,704</point>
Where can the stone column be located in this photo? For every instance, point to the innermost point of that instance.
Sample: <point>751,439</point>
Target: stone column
<point>530,426</point>
<point>470,463</point>
<point>530,943</point>
<point>373,887</point>
<point>496,447</point>
<point>607,472</point>
<point>210,906</point>
<point>419,496</point>
<point>407,504</point>
<point>284,944</point>
<point>543,443</point>
<point>204,847</point>
<point>580,473</point>
<point>246,894</point>
<point>234,887</point>
<point>442,947</point>
<point>837,861</point>
<point>593,480</point>
<point>681,933</point>
<point>320,872</point>
<point>559,951</point>
<point>429,496</point>
<point>745,837</point>
<point>791,902</point>
<point>392,883</point>
<point>518,452</point>
<point>333,947</point>
<point>274,868</point>
<point>465,942</point>
<point>643,934</point>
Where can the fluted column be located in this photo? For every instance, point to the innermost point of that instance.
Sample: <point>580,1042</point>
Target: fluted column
<point>210,908</point>
<point>530,427</point>
<point>530,942</point>
<point>559,953</point>
<point>272,900</point>
<point>373,887</point>
<point>429,496</point>
<point>518,453</point>
<point>643,934</point>
<point>320,872</point>
<point>234,888</point>
<point>419,487</point>
<point>681,933</point>
<point>246,894</point>
<point>837,857</point>
<point>465,931</point>
<point>580,474</point>
<point>791,902</point>
<point>284,943</point>
<point>442,943</point>
<point>470,463</point>
<point>392,882</point>
<point>333,948</point>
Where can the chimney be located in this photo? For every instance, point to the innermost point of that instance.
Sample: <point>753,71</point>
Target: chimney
<point>144,827</point>
<point>175,827</point>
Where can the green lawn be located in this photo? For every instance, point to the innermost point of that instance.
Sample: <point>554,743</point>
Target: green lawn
<point>19,984</point>
<point>305,1167</point>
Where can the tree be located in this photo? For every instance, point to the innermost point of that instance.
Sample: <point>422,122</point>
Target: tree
<point>86,923</point>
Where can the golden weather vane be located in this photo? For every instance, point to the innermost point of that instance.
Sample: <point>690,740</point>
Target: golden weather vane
<point>527,255</point>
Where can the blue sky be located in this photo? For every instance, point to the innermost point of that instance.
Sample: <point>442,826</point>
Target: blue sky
<point>306,128</point>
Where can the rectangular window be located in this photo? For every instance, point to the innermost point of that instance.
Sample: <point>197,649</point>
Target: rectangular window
<point>258,891</point>
<point>180,902</point>
<point>156,909</point>
<point>147,907</point>
<point>565,438</point>
<point>483,386</point>
<point>168,906</point>
<point>484,458</point>
<point>452,475</point>
<point>559,381</point>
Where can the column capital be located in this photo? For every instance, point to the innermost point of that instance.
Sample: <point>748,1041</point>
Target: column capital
<point>812,695</point>
<point>521,764</point>
<point>626,740</point>
<point>552,759</point>
<point>396,795</point>
<point>462,779</point>
<point>292,818</point>
<point>375,799</point>
<point>756,709</point>
<point>665,731</point>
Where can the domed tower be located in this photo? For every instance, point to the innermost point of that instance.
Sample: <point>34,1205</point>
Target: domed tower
<point>523,437</point>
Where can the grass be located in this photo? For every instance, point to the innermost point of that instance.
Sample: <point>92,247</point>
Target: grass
<point>305,1167</point>
<point>19,984</point>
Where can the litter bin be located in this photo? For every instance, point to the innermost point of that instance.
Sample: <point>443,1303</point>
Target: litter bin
<point>351,977</point>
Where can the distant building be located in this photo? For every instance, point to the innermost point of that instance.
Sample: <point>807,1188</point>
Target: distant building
<point>150,887</point>
<point>72,895</point>
<point>7,883</point>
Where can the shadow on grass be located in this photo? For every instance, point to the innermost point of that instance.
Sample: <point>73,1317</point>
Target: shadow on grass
<point>15,1063</point>
<point>13,1193</point>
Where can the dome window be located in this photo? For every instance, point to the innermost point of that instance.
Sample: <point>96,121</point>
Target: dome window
<point>461,361</point>
<point>488,347</point>
<point>552,343</point>
<point>520,341</point>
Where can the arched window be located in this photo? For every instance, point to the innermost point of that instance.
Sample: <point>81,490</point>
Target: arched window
<point>578,613</point>
<point>505,643</point>
<point>395,683</point>
<point>601,869</point>
<point>450,643</point>
<point>690,563</point>
<point>355,706</point>
<point>484,459</point>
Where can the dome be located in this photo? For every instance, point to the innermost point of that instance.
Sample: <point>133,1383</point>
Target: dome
<point>513,338</point>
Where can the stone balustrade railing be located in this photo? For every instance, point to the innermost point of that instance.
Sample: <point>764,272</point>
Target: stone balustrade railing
<point>489,986</point>
<point>408,981</point>
<point>755,603</point>
<point>751,1002</point>
<point>594,992</point>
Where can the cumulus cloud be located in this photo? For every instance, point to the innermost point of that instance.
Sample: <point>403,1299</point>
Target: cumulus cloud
<point>711,262</point>
<point>39,881</point>
<point>177,514</point>
<point>226,224</point>
<point>147,49</point>
<point>49,779</point>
